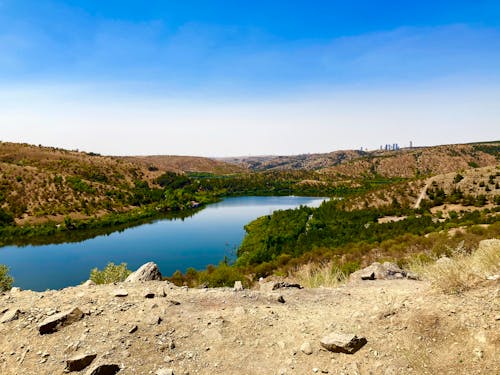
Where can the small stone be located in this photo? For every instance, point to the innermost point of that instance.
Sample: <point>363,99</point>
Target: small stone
<point>79,362</point>
<point>164,371</point>
<point>133,329</point>
<point>106,369</point>
<point>280,299</point>
<point>149,294</point>
<point>343,343</point>
<point>176,303</point>
<point>120,293</point>
<point>238,286</point>
<point>306,348</point>
<point>89,283</point>
<point>10,316</point>
<point>315,369</point>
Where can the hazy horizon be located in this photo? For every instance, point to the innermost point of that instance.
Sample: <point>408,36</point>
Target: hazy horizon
<point>208,78</point>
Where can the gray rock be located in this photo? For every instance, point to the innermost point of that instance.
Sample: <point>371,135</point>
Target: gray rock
<point>343,343</point>
<point>146,272</point>
<point>88,283</point>
<point>164,371</point>
<point>377,271</point>
<point>106,369</point>
<point>284,284</point>
<point>120,293</point>
<point>79,362</point>
<point>238,286</point>
<point>10,315</point>
<point>58,321</point>
<point>306,348</point>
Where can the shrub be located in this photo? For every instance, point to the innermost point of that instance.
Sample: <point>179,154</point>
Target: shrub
<point>222,275</point>
<point>5,279</point>
<point>462,271</point>
<point>112,273</point>
<point>313,275</point>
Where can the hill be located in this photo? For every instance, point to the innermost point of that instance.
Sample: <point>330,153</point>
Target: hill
<point>406,163</point>
<point>182,164</point>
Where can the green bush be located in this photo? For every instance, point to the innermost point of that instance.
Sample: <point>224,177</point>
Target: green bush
<point>5,279</point>
<point>112,273</point>
<point>223,275</point>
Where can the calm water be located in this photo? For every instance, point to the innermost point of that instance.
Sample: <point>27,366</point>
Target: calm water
<point>202,239</point>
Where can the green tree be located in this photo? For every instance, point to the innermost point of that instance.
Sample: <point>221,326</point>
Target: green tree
<point>5,279</point>
<point>112,273</point>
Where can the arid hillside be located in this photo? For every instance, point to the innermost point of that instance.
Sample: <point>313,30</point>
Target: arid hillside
<point>181,164</point>
<point>42,182</point>
<point>45,183</point>
<point>406,162</point>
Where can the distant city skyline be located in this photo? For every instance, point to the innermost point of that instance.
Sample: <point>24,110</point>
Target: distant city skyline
<point>213,78</point>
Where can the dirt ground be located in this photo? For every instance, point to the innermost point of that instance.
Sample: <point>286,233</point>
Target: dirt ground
<point>410,329</point>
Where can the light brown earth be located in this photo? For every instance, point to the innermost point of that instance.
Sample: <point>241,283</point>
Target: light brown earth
<point>410,329</point>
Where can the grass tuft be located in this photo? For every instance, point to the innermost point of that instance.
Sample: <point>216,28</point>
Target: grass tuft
<point>462,271</point>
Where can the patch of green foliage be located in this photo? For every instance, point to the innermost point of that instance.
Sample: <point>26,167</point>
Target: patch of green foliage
<point>5,279</point>
<point>112,273</point>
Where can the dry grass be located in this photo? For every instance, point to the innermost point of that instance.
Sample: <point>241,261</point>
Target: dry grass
<point>313,275</point>
<point>462,271</point>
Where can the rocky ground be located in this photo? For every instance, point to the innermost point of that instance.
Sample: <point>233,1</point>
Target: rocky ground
<point>155,327</point>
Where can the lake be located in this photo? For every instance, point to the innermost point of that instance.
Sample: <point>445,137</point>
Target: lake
<point>197,241</point>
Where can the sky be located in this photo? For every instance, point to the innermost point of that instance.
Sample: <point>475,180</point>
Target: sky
<point>235,78</point>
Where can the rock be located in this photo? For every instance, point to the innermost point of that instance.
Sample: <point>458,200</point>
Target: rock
<point>164,371</point>
<point>120,293</point>
<point>146,272</point>
<point>149,294</point>
<point>79,362</point>
<point>15,290</point>
<point>493,277</point>
<point>280,299</point>
<point>343,343</point>
<point>10,315</point>
<point>306,348</point>
<point>377,271</point>
<point>88,283</point>
<point>104,370</point>
<point>285,284</point>
<point>133,329</point>
<point>58,321</point>
<point>238,286</point>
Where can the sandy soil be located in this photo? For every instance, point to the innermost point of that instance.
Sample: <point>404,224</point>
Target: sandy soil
<point>410,329</point>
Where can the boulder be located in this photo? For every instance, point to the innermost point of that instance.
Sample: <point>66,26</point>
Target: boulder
<point>58,321</point>
<point>284,284</point>
<point>146,272</point>
<point>10,315</point>
<point>89,283</point>
<point>343,343</point>
<point>79,362</point>
<point>377,271</point>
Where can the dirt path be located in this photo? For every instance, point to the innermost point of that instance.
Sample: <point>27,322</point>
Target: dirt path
<point>422,195</point>
<point>409,329</point>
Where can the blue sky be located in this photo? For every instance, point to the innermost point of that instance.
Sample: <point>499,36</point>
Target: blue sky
<point>224,78</point>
